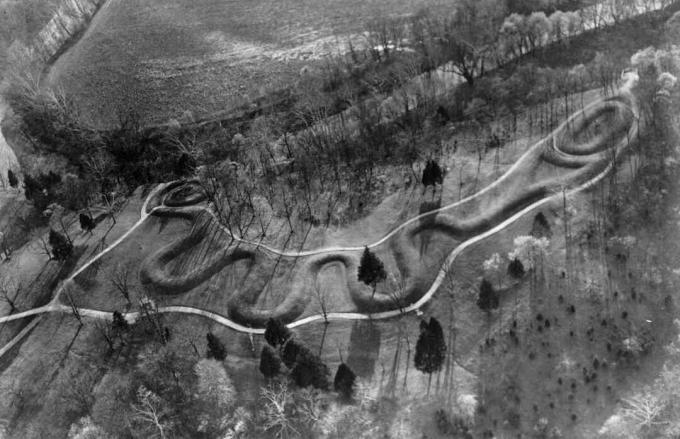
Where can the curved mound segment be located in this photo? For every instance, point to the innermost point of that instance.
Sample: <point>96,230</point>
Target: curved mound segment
<point>596,134</point>
<point>243,305</point>
<point>576,152</point>
<point>156,270</point>
<point>187,194</point>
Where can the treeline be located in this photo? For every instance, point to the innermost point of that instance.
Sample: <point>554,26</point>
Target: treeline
<point>98,161</point>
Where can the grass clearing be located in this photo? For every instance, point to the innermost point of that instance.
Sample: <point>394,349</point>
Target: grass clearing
<point>163,58</point>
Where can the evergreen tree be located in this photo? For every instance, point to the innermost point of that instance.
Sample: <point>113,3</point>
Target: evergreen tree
<point>276,333</point>
<point>309,370</point>
<point>270,365</point>
<point>290,351</point>
<point>540,227</point>
<point>86,222</point>
<point>344,381</point>
<point>437,173</point>
<point>427,174</point>
<point>216,349</point>
<point>12,178</point>
<point>488,297</point>
<point>515,268</point>
<point>371,269</point>
<point>119,322</point>
<point>432,174</point>
<point>430,348</point>
<point>61,246</point>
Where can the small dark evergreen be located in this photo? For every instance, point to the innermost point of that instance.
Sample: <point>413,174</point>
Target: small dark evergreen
<point>488,297</point>
<point>290,352</point>
<point>309,370</point>
<point>432,174</point>
<point>371,269</point>
<point>119,323</point>
<point>86,222</point>
<point>61,246</point>
<point>430,347</point>
<point>515,268</point>
<point>12,178</point>
<point>276,333</point>
<point>344,381</point>
<point>216,349</point>
<point>541,227</point>
<point>270,365</point>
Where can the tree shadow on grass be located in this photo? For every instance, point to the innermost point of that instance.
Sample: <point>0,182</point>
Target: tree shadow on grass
<point>364,348</point>
<point>425,207</point>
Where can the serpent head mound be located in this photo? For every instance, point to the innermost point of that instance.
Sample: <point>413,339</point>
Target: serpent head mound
<point>184,194</point>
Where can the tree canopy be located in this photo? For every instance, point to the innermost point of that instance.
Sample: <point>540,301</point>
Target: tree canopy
<point>516,268</point>
<point>270,364</point>
<point>12,178</point>
<point>276,333</point>
<point>344,381</point>
<point>86,222</point>
<point>430,347</point>
<point>488,297</point>
<point>371,269</point>
<point>216,348</point>
<point>61,246</point>
<point>432,174</point>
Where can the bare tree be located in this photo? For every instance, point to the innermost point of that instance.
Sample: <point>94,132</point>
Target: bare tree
<point>277,405</point>
<point>398,292</point>
<point>149,411</point>
<point>9,291</point>
<point>150,312</point>
<point>120,280</point>
<point>321,297</point>
<point>72,304</point>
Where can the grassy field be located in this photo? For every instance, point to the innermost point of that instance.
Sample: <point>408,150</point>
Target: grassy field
<point>162,58</point>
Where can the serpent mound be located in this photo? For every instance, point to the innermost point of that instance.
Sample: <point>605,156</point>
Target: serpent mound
<point>417,253</point>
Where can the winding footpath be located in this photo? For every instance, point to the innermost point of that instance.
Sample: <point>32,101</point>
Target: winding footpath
<point>54,306</point>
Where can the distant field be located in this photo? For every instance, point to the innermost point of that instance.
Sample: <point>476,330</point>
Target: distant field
<point>162,57</point>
